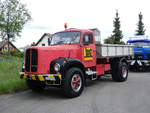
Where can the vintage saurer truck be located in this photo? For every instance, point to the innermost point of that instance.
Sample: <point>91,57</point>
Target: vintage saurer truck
<point>72,57</point>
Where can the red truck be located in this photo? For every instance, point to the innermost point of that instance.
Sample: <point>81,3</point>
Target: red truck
<point>74,55</point>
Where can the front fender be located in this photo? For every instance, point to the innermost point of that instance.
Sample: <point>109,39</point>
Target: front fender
<point>66,63</point>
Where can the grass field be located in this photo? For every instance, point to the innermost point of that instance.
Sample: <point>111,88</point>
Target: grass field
<point>9,75</point>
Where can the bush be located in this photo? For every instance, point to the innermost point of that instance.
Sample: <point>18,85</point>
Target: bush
<point>17,54</point>
<point>13,53</point>
<point>9,70</point>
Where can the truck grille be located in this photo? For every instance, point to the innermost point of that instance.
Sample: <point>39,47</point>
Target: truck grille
<point>138,56</point>
<point>31,60</point>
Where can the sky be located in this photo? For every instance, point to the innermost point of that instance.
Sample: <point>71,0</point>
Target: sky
<point>49,16</point>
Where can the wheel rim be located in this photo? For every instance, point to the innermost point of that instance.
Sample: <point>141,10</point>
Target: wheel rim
<point>76,82</point>
<point>124,72</point>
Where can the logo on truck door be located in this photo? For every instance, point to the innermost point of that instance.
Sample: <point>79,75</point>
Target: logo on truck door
<point>88,54</point>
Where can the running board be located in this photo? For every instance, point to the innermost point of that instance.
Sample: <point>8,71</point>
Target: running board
<point>91,74</point>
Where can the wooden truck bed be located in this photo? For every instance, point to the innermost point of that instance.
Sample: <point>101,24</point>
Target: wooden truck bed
<point>113,50</point>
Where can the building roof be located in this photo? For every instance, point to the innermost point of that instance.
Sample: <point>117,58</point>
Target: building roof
<point>3,43</point>
<point>45,34</point>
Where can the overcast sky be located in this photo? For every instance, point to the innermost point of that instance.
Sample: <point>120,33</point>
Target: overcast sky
<point>49,16</point>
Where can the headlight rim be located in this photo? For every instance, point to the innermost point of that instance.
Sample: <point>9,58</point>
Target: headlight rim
<point>57,67</point>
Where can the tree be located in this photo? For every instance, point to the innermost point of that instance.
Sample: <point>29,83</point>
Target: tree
<point>140,26</point>
<point>13,17</point>
<point>116,37</point>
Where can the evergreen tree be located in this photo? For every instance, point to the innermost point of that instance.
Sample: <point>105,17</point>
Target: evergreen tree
<point>116,37</point>
<point>140,26</point>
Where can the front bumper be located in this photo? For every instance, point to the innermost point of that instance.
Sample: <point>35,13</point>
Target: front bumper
<point>139,62</point>
<point>50,78</point>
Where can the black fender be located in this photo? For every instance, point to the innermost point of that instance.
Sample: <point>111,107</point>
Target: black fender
<point>74,63</point>
<point>123,59</point>
<point>65,64</point>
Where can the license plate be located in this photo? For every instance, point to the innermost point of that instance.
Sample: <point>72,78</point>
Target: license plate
<point>50,78</point>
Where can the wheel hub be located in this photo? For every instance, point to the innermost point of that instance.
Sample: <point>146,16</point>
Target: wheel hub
<point>124,72</point>
<point>76,82</point>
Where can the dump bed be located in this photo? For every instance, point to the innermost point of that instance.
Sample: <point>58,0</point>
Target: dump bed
<point>113,50</point>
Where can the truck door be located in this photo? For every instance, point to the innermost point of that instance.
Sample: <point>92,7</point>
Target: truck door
<point>88,50</point>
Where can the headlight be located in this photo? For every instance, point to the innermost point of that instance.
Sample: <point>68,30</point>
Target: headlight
<point>57,67</point>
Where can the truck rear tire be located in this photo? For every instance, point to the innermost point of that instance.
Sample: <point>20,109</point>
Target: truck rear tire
<point>119,71</point>
<point>73,83</point>
<point>35,86</point>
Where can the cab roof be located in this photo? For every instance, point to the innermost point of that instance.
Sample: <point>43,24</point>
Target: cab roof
<point>75,29</point>
<point>141,40</point>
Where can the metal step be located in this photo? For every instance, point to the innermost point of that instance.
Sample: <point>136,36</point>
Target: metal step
<point>91,74</point>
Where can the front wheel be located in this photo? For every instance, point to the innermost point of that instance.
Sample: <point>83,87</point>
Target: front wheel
<point>73,82</point>
<point>119,71</point>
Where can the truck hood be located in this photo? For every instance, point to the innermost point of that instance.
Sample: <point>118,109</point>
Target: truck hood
<point>47,54</point>
<point>57,47</point>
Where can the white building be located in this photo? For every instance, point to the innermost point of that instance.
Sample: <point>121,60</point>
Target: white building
<point>43,41</point>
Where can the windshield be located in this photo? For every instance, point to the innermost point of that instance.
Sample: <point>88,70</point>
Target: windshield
<point>141,44</point>
<point>69,37</point>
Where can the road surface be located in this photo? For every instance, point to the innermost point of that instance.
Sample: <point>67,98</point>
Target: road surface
<point>101,96</point>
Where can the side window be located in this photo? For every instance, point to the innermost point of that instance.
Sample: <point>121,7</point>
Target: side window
<point>88,39</point>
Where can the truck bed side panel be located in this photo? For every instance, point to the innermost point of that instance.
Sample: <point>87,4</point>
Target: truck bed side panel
<point>113,50</point>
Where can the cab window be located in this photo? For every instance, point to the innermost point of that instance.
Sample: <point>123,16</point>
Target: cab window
<point>88,39</point>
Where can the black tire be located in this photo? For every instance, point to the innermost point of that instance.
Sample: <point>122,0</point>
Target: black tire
<point>35,86</point>
<point>68,82</point>
<point>119,71</point>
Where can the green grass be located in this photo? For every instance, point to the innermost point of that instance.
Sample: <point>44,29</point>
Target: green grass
<point>9,75</point>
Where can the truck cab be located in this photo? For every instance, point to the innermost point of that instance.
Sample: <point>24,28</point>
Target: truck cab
<point>73,55</point>
<point>141,58</point>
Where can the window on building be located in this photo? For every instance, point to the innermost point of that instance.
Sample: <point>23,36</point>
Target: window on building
<point>43,44</point>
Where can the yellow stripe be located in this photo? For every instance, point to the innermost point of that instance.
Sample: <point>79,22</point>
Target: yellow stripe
<point>84,51</point>
<point>88,58</point>
<point>25,76</point>
<point>59,76</point>
<point>50,75</point>
<point>20,76</point>
<point>41,78</point>
<point>33,77</point>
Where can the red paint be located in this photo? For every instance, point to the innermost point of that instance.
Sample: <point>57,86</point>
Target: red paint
<point>76,51</point>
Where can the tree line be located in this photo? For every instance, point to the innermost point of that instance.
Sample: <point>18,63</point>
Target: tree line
<point>14,15</point>
<point>116,37</point>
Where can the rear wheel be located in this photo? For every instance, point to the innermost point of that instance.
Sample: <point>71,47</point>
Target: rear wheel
<point>119,71</point>
<point>35,86</point>
<point>73,82</point>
